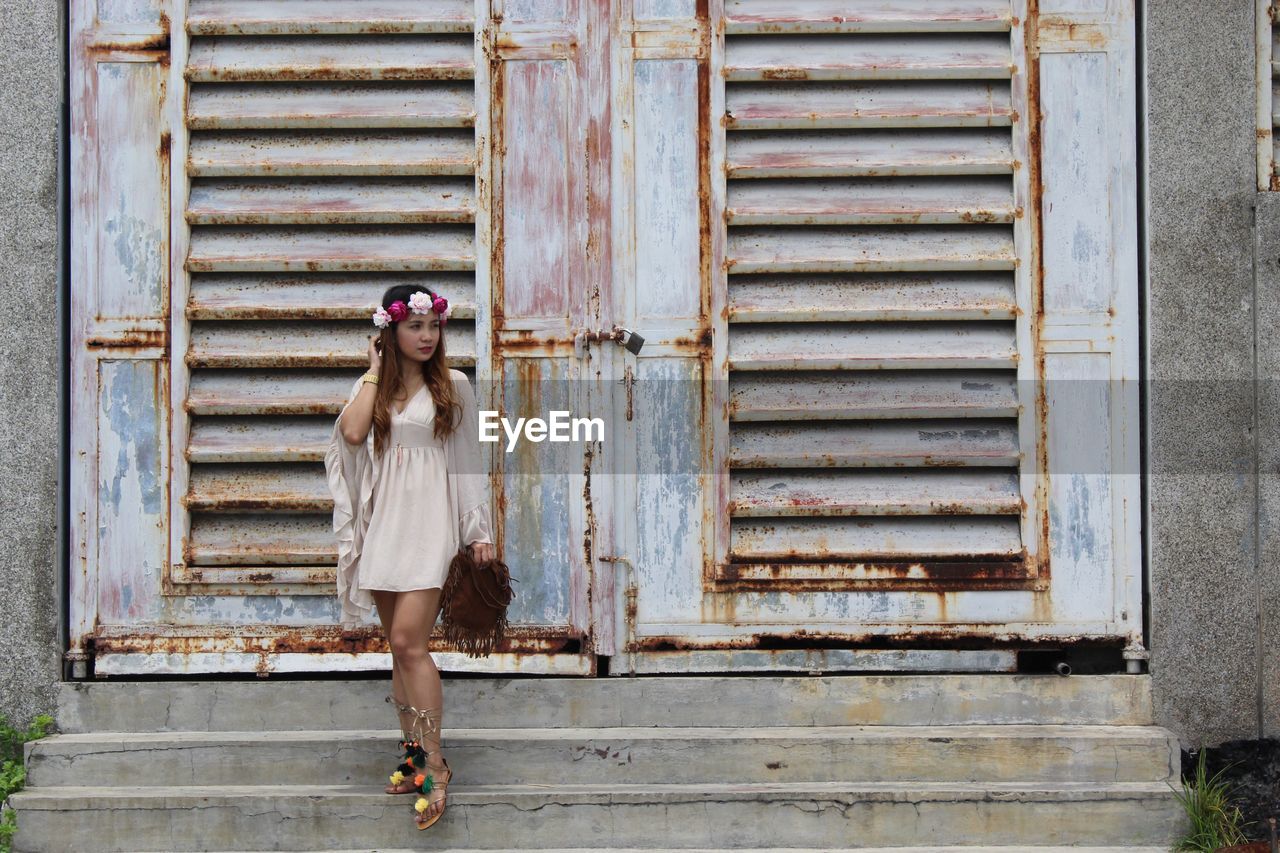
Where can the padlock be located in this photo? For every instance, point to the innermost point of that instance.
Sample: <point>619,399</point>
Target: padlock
<point>633,341</point>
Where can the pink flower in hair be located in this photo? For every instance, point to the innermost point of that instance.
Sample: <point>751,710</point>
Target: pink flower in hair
<point>441,306</point>
<point>398,310</point>
<point>420,302</point>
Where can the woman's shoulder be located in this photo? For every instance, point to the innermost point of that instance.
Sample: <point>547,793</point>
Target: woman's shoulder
<point>457,375</point>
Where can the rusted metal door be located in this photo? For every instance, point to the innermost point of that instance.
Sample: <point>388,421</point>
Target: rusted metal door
<point>548,264</point>
<point>248,178</point>
<point>914,422</point>
<point>882,256</point>
<point>120,287</point>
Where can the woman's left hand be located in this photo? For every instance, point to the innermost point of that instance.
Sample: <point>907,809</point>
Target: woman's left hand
<point>482,551</point>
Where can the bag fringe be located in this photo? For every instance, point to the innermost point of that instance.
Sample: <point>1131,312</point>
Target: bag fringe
<point>470,641</point>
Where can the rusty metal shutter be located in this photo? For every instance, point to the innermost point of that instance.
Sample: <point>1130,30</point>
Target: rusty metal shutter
<point>876,301</point>
<point>924,324</point>
<point>331,154</point>
<point>874,180</point>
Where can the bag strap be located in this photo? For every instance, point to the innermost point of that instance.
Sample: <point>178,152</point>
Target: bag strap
<point>503,579</point>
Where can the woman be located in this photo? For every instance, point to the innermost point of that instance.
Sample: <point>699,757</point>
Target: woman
<point>404,469</point>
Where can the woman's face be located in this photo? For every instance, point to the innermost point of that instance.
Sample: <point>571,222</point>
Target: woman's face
<point>418,336</point>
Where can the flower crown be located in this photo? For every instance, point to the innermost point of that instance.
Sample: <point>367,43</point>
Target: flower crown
<point>421,302</point>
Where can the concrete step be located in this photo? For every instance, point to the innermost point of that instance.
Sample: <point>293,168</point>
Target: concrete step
<point>576,755</point>
<point>513,702</point>
<point>661,816</point>
<point>969,849</point>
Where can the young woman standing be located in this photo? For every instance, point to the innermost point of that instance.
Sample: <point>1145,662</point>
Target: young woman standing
<point>404,468</point>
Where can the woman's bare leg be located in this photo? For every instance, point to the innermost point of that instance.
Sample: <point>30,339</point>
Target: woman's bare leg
<point>386,602</point>
<point>413,617</point>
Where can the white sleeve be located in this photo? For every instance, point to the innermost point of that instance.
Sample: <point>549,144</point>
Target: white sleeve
<point>467,471</point>
<point>348,470</point>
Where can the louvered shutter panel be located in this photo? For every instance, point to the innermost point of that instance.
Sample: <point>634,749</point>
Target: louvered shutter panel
<point>877,294</point>
<point>120,108</point>
<point>331,154</point>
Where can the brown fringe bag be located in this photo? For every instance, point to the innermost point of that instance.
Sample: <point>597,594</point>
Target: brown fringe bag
<point>473,609</point>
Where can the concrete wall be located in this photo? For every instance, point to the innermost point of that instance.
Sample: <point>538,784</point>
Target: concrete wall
<point>1213,551</point>
<point>30,44</point>
<point>1268,462</point>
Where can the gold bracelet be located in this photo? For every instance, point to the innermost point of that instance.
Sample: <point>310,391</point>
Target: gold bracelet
<point>370,377</point>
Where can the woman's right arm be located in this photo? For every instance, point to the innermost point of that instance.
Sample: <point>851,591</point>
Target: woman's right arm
<point>357,418</point>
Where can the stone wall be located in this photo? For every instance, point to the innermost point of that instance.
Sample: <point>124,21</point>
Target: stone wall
<point>1212,330</point>
<point>30,343</point>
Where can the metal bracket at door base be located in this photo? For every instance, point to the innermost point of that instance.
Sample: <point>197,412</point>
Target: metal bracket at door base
<point>1134,654</point>
<point>629,609</point>
<point>75,664</point>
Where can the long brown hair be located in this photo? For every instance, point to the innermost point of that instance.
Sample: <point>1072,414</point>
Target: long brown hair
<point>435,371</point>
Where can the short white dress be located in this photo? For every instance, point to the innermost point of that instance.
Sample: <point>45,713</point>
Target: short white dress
<point>399,518</point>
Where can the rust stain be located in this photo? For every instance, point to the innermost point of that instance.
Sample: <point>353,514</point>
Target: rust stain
<point>1058,29</point>
<point>936,462</point>
<point>279,503</point>
<point>984,216</point>
<point>165,153</point>
<point>786,22</point>
<point>1036,224</point>
<point>629,381</point>
<point>784,74</point>
<point>498,150</point>
<point>323,73</point>
<point>632,605</point>
<point>214,311</point>
<point>710,275</point>
<point>529,342</point>
<point>589,508</point>
<point>785,568</point>
<point>703,153</point>
<point>249,359</point>
<point>149,43</point>
<point>317,639</point>
<point>989,112</point>
<point>966,636</point>
<point>216,405</point>
<point>130,339</point>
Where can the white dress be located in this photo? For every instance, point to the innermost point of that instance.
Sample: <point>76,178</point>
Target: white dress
<point>399,519</point>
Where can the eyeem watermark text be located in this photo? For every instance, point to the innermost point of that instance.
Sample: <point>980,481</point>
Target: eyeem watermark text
<point>559,428</point>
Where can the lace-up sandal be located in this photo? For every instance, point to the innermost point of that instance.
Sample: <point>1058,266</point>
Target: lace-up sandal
<point>401,781</point>
<point>428,779</point>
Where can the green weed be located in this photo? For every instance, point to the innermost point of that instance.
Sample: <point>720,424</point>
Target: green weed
<point>12,771</point>
<point>1214,821</point>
